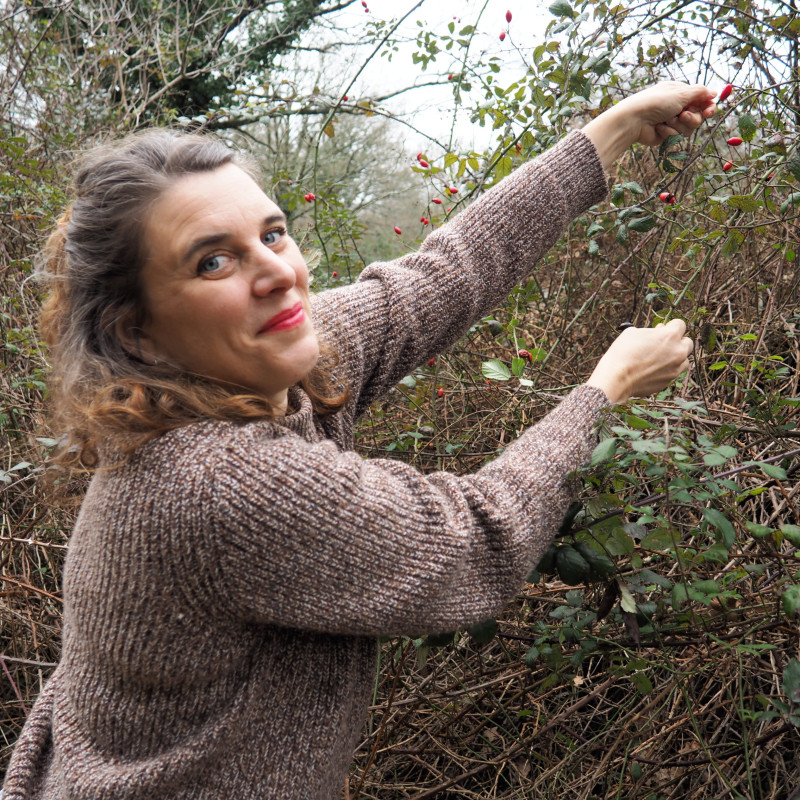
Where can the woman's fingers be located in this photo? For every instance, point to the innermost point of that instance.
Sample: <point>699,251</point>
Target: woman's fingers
<point>642,361</point>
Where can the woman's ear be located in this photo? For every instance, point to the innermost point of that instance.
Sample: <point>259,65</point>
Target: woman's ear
<point>133,339</point>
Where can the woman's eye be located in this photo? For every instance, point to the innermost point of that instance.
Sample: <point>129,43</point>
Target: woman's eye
<point>212,264</point>
<point>272,237</point>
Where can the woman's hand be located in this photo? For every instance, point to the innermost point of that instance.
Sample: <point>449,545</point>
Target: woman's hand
<point>642,361</point>
<point>649,117</point>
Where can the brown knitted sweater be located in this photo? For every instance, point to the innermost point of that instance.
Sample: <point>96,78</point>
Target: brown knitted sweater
<point>225,588</point>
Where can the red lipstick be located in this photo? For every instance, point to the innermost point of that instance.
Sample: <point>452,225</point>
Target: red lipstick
<point>284,320</point>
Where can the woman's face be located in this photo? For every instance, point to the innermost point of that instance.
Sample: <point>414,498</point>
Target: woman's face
<point>226,287</point>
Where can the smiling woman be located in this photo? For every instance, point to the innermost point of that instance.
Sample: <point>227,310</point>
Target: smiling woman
<point>235,561</point>
<point>225,287</point>
<point>116,369</point>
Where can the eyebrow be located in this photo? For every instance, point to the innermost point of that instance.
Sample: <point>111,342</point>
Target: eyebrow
<point>215,238</point>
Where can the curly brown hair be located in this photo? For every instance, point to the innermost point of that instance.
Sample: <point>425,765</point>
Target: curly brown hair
<point>91,264</point>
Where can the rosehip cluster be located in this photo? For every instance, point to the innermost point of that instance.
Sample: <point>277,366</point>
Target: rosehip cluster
<point>424,220</point>
<point>310,197</point>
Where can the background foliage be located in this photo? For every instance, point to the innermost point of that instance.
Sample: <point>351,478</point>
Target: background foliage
<point>655,652</point>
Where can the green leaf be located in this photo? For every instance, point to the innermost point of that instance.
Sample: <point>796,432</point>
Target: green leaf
<point>747,127</point>
<point>732,243</point>
<point>790,601</point>
<point>774,471</point>
<point>793,166</point>
<point>409,382</point>
<point>758,531</point>
<point>642,224</point>
<point>594,248</point>
<point>719,521</point>
<point>561,8</point>
<point>517,366</point>
<point>594,228</point>
<point>744,202</point>
<point>717,552</point>
<point>604,451</point>
<point>659,539</point>
<point>792,533</point>
<point>626,601</point>
<point>791,680</point>
<point>495,370</point>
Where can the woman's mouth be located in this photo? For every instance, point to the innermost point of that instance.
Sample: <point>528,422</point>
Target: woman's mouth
<point>284,320</point>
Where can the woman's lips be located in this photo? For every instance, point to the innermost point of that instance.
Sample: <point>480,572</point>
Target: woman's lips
<point>284,320</point>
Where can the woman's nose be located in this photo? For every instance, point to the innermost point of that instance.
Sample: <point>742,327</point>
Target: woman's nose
<point>271,273</point>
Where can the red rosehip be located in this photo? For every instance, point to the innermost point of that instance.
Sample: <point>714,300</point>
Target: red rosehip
<point>440,392</point>
<point>508,16</point>
<point>397,230</point>
<point>335,274</point>
<point>424,164</point>
<point>725,93</point>
<point>437,201</point>
<point>431,362</point>
<point>344,99</point>
<point>452,190</point>
<point>364,3</point>
<point>727,166</point>
<point>524,354</point>
<point>664,197</point>
<point>424,220</point>
<point>450,76</point>
<point>502,35</point>
<point>735,141</point>
<point>310,197</point>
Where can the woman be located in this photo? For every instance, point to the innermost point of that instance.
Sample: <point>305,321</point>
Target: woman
<point>234,560</point>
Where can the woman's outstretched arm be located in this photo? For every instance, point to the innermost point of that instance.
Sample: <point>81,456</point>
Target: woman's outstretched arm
<point>401,313</point>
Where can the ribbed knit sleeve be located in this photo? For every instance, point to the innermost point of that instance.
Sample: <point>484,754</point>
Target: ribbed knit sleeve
<point>401,313</point>
<point>305,536</point>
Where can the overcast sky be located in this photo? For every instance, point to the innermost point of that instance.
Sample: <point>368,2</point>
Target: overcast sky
<point>429,107</point>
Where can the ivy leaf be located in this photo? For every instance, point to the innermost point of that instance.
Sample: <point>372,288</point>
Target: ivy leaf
<point>495,370</point>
